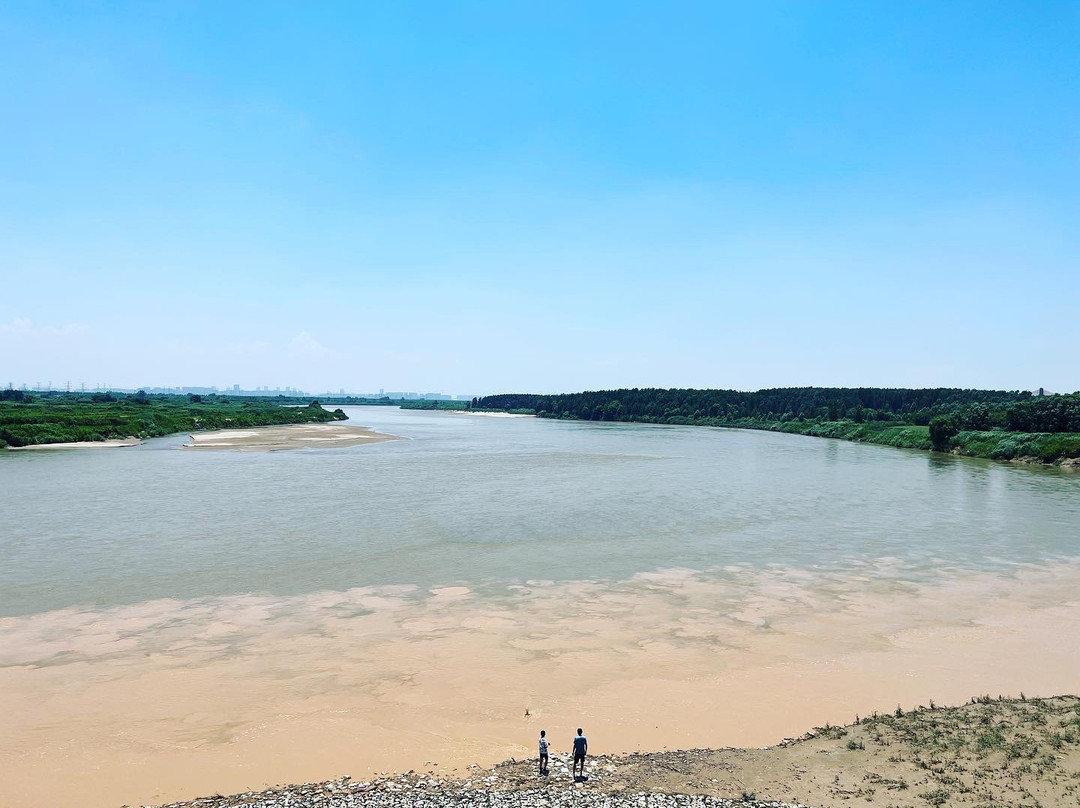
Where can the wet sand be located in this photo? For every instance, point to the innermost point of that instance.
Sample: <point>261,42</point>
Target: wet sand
<point>291,436</point>
<point>170,700</point>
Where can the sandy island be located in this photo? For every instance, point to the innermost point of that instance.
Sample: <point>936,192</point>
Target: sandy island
<point>82,444</point>
<point>290,436</point>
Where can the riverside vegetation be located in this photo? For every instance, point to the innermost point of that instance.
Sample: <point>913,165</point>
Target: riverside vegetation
<point>32,419</point>
<point>996,424</point>
<point>989,753</point>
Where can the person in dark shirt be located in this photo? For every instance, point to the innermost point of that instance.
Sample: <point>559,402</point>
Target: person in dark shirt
<point>581,746</point>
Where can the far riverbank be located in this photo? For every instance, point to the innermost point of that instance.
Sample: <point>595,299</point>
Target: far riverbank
<point>993,424</point>
<point>75,420</point>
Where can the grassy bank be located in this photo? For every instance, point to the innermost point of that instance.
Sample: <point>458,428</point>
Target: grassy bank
<point>994,444</point>
<point>62,418</point>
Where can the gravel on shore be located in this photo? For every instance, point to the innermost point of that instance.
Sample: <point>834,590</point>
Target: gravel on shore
<point>503,786</point>
<point>361,796</point>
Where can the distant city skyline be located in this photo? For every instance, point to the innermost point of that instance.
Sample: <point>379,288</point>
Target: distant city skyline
<point>541,198</point>
<point>341,392</point>
<point>237,390</point>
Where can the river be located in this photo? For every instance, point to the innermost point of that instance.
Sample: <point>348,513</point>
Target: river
<point>217,620</point>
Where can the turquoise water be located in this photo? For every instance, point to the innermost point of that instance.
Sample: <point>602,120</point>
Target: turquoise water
<point>487,501</point>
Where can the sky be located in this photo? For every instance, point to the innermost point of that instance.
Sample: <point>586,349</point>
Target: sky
<point>492,197</point>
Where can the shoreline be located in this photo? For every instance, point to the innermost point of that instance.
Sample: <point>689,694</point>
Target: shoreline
<point>897,437</point>
<point>493,414</point>
<point>992,424</point>
<point>928,756</point>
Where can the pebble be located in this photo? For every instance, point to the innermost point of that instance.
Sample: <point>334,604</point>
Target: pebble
<point>404,791</point>
<point>356,797</point>
<point>502,786</point>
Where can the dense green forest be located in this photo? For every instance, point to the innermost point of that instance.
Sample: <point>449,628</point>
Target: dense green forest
<point>29,419</point>
<point>428,404</point>
<point>982,423</point>
<point>403,403</point>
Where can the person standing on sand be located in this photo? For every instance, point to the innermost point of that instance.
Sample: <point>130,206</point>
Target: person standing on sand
<point>581,746</point>
<point>543,752</point>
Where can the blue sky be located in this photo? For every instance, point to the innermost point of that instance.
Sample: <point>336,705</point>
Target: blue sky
<point>489,197</point>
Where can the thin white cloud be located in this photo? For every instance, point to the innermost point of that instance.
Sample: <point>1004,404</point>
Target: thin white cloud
<point>305,346</point>
<point>25,328</point>
<point>250,348</point>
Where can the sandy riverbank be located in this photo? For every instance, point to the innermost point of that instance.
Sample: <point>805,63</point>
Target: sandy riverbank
<point>493,414</point>
<point>229,694</point>
<point>82,444</point>
<point>290,436</point>
<point>992,753</point>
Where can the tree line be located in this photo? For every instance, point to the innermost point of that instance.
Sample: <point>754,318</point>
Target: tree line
<point>997,424</point>
<point>958,409</point>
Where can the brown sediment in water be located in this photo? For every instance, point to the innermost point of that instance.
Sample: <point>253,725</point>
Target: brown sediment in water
<point>169,700</point>
<point>290,436</point>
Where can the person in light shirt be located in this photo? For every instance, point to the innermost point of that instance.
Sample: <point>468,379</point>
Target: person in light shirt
<point>543,752</point>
